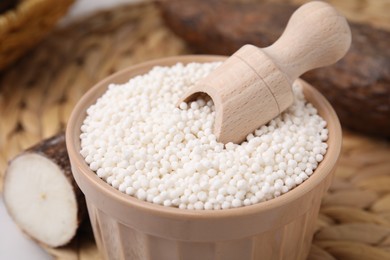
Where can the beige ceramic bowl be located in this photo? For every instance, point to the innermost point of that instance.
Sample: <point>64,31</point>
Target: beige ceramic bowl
<point>127,228</point>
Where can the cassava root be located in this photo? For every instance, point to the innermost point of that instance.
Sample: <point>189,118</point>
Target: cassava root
<point>41,195</point>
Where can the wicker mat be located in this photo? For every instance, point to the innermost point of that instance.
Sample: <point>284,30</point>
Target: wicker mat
<point>38,93</point>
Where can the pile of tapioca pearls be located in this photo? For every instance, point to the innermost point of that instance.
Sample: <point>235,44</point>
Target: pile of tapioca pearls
<point>136,140</point>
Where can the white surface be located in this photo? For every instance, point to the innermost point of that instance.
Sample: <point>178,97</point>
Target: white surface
<point>14,245</point>
<point>86,7</point>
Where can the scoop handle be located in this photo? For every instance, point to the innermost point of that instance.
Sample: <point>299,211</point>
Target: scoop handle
<point>316,36</point>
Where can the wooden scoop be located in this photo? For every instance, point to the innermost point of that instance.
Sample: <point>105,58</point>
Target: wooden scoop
<point>253,86</point>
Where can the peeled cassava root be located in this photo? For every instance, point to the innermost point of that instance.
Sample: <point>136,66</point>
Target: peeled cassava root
<point>41,195</point>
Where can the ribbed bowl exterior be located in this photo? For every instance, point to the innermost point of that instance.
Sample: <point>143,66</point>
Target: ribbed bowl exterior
<point>118,240</point>
<point>127,228</point>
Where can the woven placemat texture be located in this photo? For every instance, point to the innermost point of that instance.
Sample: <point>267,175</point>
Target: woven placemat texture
<point>28,22</point>
<point>38,93</point>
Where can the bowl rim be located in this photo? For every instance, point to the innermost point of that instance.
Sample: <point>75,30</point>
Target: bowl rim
<point>324,168</point>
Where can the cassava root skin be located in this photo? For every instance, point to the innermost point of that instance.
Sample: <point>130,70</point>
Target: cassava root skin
<point>41,195</point>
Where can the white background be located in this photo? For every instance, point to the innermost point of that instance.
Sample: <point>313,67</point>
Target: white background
<point>85,7</point>
<point>14,245</point>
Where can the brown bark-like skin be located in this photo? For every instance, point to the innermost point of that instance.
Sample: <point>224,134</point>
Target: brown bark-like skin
<point>6,5</point>
<point>54,149</point>
<point>358,86</point>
